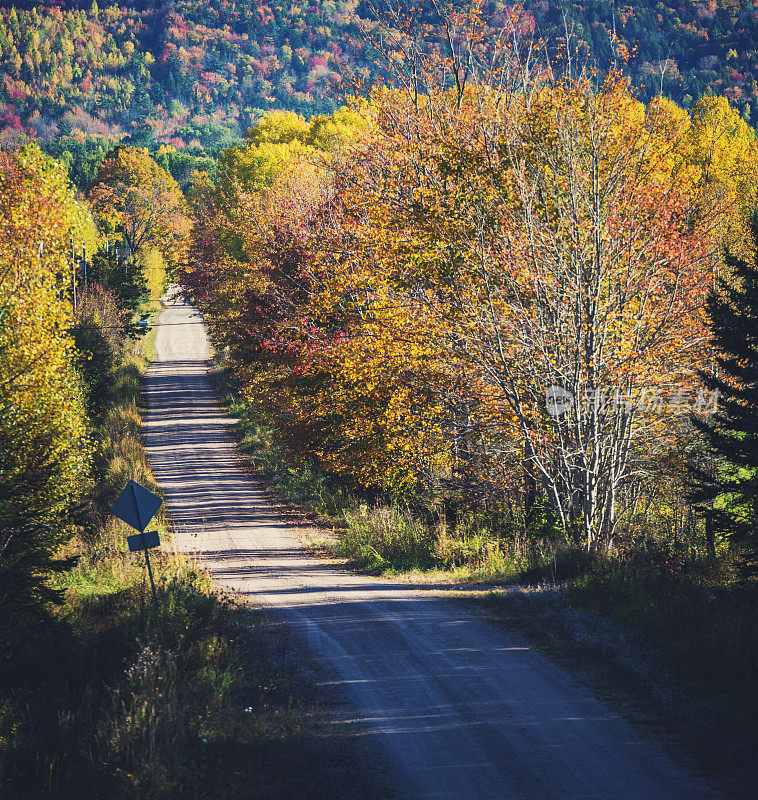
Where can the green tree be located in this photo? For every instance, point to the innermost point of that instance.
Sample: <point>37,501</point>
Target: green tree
<point>729,493</point>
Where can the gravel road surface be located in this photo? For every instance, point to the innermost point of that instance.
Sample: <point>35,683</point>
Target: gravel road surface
<point>458,707</point>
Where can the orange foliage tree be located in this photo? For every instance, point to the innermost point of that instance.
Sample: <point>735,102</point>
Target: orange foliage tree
<point>404,307</point>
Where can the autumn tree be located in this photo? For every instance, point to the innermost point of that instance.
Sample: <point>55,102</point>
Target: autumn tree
<point>490,233</point>
<point>138,198</point>
<point>258,233</point>
<point>44,447</point>
<point>720,151</point>
<point>595,290</point>
<point>568,252</point>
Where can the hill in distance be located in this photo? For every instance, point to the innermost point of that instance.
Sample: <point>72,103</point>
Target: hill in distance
<point>191,76</point>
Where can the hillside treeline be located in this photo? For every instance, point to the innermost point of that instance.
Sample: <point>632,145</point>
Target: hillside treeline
<point>197,75</point>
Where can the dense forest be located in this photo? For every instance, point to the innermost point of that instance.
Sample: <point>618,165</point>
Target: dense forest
<point>197,75</point>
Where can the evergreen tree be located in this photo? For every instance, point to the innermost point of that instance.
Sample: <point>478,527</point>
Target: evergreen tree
<point>729,493</point>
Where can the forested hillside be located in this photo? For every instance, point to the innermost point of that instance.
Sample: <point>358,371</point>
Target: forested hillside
<point>195,75</point>
<point>198,74</point>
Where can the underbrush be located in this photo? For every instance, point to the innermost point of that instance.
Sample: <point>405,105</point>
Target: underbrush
<point>386,538</point>
<point>702,622</point>
<point>678,648</point>
<point>391,540</point>
<point>103,696</point>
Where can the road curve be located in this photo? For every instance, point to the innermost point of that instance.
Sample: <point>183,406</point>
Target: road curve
<point>458,707</point>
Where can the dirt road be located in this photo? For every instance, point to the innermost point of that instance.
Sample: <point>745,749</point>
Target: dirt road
<point>457,707</point>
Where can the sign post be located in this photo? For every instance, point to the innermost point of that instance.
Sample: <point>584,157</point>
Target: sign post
<point>144,541</point>
<point>136,506</point>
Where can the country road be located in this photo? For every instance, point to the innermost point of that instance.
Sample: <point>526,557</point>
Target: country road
<point>457,706</point>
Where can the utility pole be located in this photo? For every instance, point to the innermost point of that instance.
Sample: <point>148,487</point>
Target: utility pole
<point>73,269</point>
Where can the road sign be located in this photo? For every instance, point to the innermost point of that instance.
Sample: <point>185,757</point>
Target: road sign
<point>142,541</point>
<point>136,506</point>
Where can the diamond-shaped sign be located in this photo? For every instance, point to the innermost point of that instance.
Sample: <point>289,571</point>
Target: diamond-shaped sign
<point>136,506</point>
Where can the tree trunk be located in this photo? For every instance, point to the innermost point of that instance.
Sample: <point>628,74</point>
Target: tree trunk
<point>710,536</point>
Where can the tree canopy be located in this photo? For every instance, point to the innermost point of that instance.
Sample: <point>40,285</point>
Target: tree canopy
<point>401,304</point>
<point>44,445</point>
<point>137,197</point>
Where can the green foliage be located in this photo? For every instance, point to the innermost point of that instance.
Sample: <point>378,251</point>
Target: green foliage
<point>730,490</point>
<point>125,277</point>
<point>195,77</point>
<point>82,159</point>
<point>183,164</point>
<point>384,538</point>
<point>669,47</point>
<point>100,332</point>
<point>95,360</point>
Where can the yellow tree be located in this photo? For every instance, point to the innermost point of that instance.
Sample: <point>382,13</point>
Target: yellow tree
<point>721,152</point>
<point>44,448</point>
<point>140,199</point>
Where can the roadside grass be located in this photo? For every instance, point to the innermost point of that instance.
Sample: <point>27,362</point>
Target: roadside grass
<point>103,697</point>
<point>677,651</point>
<point>704,618</point>
<point>206,699</point>
<point>389,540</point>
